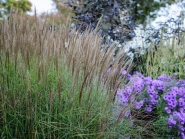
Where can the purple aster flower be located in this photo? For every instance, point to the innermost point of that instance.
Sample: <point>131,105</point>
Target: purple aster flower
<point>174,104</point>
<point>148,80</point>
<point>151,90</point>
<point>128,91</point>
<point>165,97</point>
<point>174,90</point>
<point>175,113</point>
<point>168,110</point>
<point>180,83</point>
<point>182,109</point>
<point>124,95</point>
<point>181,117</point>
<point>182,135</point>
<point>123,100</point>
<point>181,128</point>
<point>181,102</point>
<point>132,98</point>
<point>153,101</point>
<point>163,77</point>
<point>169,97</point>
<point>139,104</point>
<point>129,76</point>
<point>138,84</point>
<point>171,121</point>
<point>145,99</point>
<point>158,84</point>
<point>148,109</point>
<point>181,91</point>
<point>123,72</point>
<point>154,95</point>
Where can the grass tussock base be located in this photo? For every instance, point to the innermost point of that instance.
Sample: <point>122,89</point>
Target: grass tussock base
<point>55,84</point>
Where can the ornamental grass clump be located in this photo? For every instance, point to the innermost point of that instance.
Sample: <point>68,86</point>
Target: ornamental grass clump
<point>167,58</point>
<point>54,84</point>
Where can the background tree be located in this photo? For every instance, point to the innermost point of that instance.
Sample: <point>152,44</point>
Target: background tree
<point>14,6</point>
<point>147,7</point>
<point>120,17</point>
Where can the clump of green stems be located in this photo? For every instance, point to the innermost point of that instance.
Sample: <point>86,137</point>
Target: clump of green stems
<point>168,58</point>
<point>55,86</point>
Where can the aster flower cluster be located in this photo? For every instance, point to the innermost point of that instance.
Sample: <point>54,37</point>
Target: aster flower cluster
<point>175,99</point>
<point>140,91</point>
<point>145,93</point>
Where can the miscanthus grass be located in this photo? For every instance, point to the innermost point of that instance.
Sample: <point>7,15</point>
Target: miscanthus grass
<point>55,84</point>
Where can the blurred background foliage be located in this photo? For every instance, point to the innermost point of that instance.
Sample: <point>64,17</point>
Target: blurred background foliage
<point>147,7</point>
<point>14,6</point>
<point>63,9</point>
